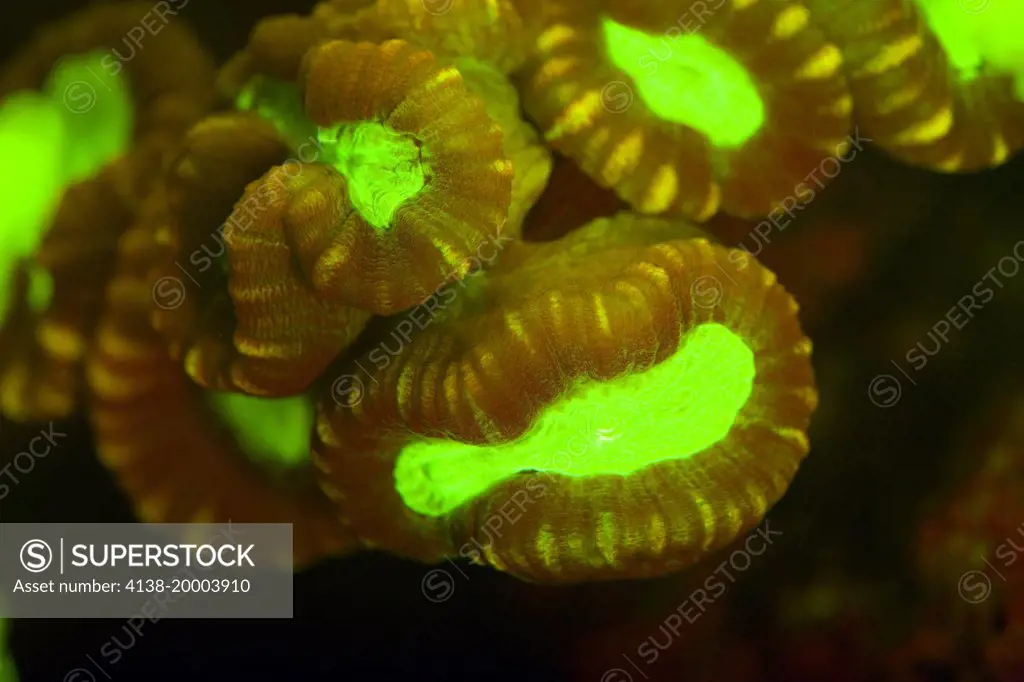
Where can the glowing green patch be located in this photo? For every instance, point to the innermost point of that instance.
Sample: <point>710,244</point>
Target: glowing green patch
<point>8,673</point>
<point>32,141</point>
<point>980,36</point>
<point>97,110</point>
<point>384,168</point>
<point>40,288</point>
<point>687,80</point>
<point>274,431</point>
<point>280,104</point>
<point>676,409</point>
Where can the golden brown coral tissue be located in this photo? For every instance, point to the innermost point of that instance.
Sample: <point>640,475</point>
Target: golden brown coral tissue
<point>915,97</point>
<point>164,445</point>
<point>171,85</point>
<point>594,306</point>
<point>252,269</point>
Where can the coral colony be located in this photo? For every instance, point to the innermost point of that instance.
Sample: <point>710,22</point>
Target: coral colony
<point>318,271</point>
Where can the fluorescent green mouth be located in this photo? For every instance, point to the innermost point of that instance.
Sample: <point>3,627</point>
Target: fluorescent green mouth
<point>687,80</point>
<point>672,411</point>
<point>980,36</point>
<point>383,168</point>
<point>49,141</point>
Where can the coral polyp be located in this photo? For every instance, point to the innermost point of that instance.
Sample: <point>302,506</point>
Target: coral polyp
<point>642,365</point>
<point>426,211</point>
<point>98,123</point>
<point>515,300</point>
<point>937,83</point>
<point>686,124</point>
<point>161,435</point>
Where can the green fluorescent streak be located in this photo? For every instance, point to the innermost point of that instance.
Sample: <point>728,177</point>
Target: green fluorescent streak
<point>989,37</point>
<point>31,149</point>
<point>673,410</point>
<point>270,430</point>
<point>280,104</point>
<point>97,111</point>
<point>382,166</point>
<point>687,80</point>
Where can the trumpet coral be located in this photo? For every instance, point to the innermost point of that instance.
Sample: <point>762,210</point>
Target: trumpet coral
<point>263,77</point>
<point>98,132</point>
<point>936,83</point>
<point>235,307</point>
<point>422,165</point>
<point>161,436</point>
<point>688,124</point>
<point>617,335</point>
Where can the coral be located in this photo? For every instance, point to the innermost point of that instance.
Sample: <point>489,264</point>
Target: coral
<point>970,549</point>
<point>936,83</point>
<point>688,124</point>
<point>161,437</point>
<point>110,116</point>
<point>423,167</point>
<point>614,333</point>
<point>490,31</point>
<point>230,313</point>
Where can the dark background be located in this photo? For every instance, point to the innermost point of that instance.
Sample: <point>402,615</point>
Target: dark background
<point>921,241</point>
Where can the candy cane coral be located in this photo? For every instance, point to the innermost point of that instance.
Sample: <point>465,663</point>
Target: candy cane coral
<point>234,306</point>
<point>422,165</point>
<point>936,83</point>
<point>161,435</point>
<point>731,115</point>
<point>86,147</point>
<point>634,399</point>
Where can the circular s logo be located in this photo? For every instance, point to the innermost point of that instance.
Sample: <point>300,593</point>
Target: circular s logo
<point>36,556</point>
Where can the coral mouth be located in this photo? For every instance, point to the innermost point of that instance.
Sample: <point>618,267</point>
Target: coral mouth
<point>979,41</point>
<point>384,167</point>
<point>689,81</point>
<point>671,411</point>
